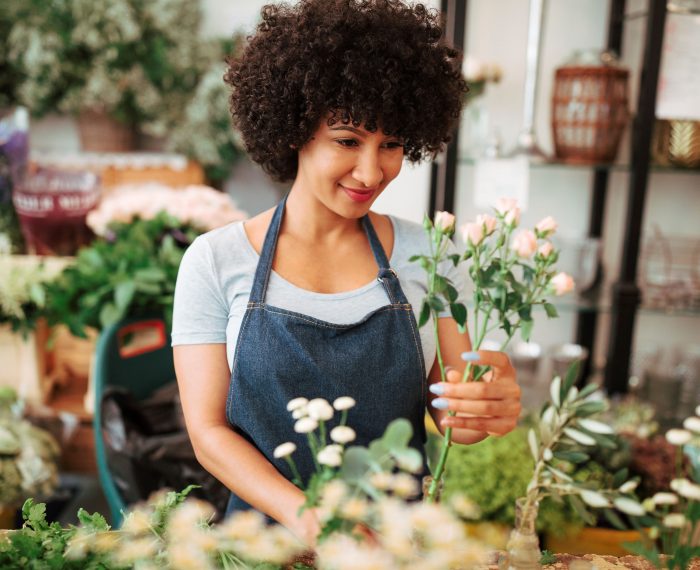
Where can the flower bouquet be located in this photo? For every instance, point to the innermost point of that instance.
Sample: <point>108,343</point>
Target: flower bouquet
<point>512,272</point>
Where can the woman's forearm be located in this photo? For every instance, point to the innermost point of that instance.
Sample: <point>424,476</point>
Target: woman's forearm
<point>246,472</point>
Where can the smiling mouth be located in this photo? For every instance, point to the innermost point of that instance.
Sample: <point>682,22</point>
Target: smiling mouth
<point>357,194</point>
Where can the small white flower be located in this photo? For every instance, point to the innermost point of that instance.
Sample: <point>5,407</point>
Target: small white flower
<point>404,486</point>
<point>381,480</point>
<point>329,457</point>
<point>319,409</point>
<point>689,490</point>
<point>674,520</point>
<point>676,484</point>
<point>300,413</point>
<point>465,507</point>
<point>296,403</point>
<point>692,424</point>
<point>343,434</point>
<point>284,450</point>
<point>354,509</point>
<point>335,447</point>
<point>628,487</point>
<point>665,499</point>
<point>305,425</point>
<point>547,454</point>
<point>678,436</point>
<point>343,403</point>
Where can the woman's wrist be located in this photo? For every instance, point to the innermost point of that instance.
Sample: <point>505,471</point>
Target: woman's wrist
<point>305,524</point>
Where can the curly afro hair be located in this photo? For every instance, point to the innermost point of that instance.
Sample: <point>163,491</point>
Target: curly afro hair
<point>380,63</point>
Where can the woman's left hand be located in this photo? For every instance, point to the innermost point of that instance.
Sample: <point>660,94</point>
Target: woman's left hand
<point>491,405</point>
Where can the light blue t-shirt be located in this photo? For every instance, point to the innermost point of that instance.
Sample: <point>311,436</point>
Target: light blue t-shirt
<point>216,276</point>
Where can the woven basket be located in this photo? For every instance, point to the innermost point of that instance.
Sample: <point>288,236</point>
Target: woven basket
<point>101,133</point>
<point>589,113</point>
<point>676,143</point>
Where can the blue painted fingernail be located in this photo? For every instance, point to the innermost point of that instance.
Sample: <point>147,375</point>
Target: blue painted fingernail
<point>440,403</point>
<point>470,356</point>
<point>437,389</point>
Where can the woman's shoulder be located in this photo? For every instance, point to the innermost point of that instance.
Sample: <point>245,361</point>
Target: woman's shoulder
<point>409,237</point>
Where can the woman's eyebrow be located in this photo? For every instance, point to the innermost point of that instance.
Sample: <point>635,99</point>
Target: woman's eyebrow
<point>348,128</point>
<point>357,131</point>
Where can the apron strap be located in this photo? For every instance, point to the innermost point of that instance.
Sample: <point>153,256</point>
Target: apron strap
<point>262,272</point>
<point>386,276</point>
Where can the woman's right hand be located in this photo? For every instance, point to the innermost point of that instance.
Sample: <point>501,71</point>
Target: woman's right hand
<point>306,527</point>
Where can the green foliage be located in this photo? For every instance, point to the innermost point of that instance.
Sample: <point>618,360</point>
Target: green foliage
<point>132,274</point>
<point>496,472</point>
<point>132,58</point>
<point>547,558</point>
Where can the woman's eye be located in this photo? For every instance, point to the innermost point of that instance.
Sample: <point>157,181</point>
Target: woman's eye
<point>393,145</point>
<point>346,142</point>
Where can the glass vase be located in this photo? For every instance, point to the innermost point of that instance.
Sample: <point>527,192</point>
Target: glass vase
<point>523,544</point>
<point>475,127</point>
<point>427,481</point>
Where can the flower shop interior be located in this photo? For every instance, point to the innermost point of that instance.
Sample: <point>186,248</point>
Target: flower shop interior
<point>578,147</point>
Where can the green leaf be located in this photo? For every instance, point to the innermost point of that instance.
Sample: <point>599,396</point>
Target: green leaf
<point>551,310</point>
<point>150,274</point>
<point>436,304</point>
<point>451,293</point>
<point>424,313</point>
<point>440,284</point>
<point>459,313</point>
<point>356,460</point>
<point>579,436</point>
<point>415,258</point>
<point>532,442</point>
<point>581,510</point>
<point>572,456</point>
<point>109,315</point>
<point>614,519</point>
<point>570,378</point>
<point>95,521</point>
<point>455,258</point>
<point>590,408</point>
<point>123,294</point>
<point>397,435</point>
<point>409,459</point>
<point>526,329</point>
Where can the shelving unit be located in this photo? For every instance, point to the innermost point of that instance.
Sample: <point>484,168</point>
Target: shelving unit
<point>623,301</point>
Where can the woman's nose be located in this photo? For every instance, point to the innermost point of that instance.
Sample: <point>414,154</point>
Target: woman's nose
<point>368,169</point>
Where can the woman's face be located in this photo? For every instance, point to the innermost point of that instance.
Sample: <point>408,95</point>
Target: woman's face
<point>346,168</point>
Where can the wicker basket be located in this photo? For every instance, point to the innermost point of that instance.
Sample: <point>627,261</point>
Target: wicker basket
<point>100,133</point>
<point>676,143</point>
<point>589,113</point>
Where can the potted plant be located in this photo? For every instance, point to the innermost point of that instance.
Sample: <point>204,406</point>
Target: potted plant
<point>203,129</point>
<point>28,457</point>
<point>113,64</point>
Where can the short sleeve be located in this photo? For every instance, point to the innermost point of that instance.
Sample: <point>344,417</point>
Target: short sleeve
<point>458,277</point>
<point>200,312</point>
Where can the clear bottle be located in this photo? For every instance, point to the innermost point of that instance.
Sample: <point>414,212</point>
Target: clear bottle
<point>524,544</point>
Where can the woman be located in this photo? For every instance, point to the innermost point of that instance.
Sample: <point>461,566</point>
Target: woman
<point>316,297</point>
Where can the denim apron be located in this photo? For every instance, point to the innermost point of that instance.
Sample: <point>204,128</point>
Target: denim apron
<point>282,354</point>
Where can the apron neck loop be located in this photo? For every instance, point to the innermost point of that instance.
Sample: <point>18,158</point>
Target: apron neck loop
<point>386,276</point>
<point>262,273</point>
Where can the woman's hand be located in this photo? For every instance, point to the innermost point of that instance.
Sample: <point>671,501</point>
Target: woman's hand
<point>491,405</point>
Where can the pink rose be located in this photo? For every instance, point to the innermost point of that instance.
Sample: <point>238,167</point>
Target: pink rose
<point>472,233</point>
<point>524,243</point>
<point>546,227</point>
<point>562,283</point>
<point>487,222</point>
<point>546,249</point>
<point>444,222</point>
<point>509,209</point>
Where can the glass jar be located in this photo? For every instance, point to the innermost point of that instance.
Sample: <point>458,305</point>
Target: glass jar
<point>524,544</point>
